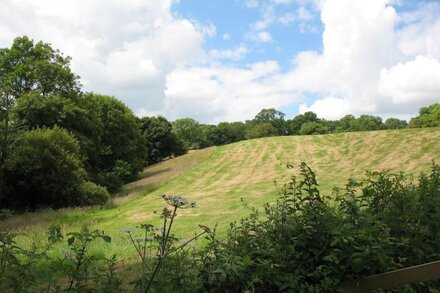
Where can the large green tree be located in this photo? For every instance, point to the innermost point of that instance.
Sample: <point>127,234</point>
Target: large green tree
<point>33,111</point>
<point>395,123</point>
<point>120,148</point>
<point>274,117</point>
<point>294,125</point>
<point>26,67</point>
<point>258,130</point>
<point>314,127</point>
<point>161,141</point>
<point>46,169</point>
<point>226,132</point>
<point>189,131</point>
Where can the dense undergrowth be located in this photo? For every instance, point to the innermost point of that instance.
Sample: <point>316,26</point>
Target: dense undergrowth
<point>304,242</point>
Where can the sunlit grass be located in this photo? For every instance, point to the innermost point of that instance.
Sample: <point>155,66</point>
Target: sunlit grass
<point>220,178</point>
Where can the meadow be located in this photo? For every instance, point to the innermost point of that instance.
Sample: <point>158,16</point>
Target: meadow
<point>222,179</point>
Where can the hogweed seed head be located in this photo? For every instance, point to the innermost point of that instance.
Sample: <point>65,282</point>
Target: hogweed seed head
<point>178,201</point>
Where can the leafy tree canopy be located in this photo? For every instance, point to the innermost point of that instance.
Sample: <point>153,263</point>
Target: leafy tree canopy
<point>394,123</point>
<point>428,117</point>
<point>189,131</point>
<point>27,66</point>
<point>46,169</point>
<point>160,139</point>
<point>121,149</point>
<point>312,128</point>
<point>261,130</point>
<point>274,117</point>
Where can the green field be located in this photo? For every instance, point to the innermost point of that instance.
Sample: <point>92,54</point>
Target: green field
<point>218,178</point>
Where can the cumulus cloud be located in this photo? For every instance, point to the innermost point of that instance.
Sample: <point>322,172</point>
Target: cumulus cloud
<point>335,108</point>
<point>363,68</point>
<point>119,49</point>
<point>224,93</point>
<point>415,81</point>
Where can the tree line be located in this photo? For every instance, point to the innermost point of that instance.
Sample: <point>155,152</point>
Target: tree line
<point>60,146</point>
<point>271,122</point>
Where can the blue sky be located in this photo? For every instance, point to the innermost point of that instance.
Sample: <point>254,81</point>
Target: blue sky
<point>234,19</point>
<point>226,60</point>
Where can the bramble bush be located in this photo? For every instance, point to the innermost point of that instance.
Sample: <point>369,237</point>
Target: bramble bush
<point>303,242</point>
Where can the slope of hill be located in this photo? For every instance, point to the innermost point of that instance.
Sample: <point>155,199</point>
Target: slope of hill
<point>218,178</point>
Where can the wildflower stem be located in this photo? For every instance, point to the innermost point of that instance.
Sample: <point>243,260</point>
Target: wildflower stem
<point>177,248</point>
<point>162,255</point>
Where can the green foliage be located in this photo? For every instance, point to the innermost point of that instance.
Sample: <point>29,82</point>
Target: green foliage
<point>303,242</point>
<point>79,266</point>
<point>274,117</point>
<point>296,123</point>
<point>161,141</point>
<point>27,66</point>
<point>188,130</point>
<point>120,145</point>
<point>364,123</point>
<point>258,130</point>
<point>368,122</point>
<point>36,270</point>
<point>226,133</point>
<point>346,124</point>
<point>308,128</point>
<point>107,131</point>
<point>93,194</point>
<point>428,117</point>
<point>46,169</point>
<point>394,123</point>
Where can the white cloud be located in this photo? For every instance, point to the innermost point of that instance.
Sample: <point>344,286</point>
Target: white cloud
<point>264,36</point>
<point>359,40</point>
<point>233,54</point>
<point>333,107</point>
<point>226,36</point>
<point>421,33</point>
<point>119,49</point>
<point>221,93</point>
<point>412,82</point>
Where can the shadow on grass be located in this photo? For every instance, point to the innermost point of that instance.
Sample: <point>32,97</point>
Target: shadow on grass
<point>147,174</point>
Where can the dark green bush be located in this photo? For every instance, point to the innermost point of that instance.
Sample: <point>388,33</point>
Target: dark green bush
<point>46,170</point>
<point>93,194</point>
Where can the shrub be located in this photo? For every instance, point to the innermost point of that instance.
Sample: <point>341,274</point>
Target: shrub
<point>46,169</point>
<point>93,194</point>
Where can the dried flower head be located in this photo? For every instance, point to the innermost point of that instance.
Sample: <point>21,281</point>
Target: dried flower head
<point>178,201</point>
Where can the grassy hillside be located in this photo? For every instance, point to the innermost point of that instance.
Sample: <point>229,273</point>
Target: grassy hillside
<point>217,178</point>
